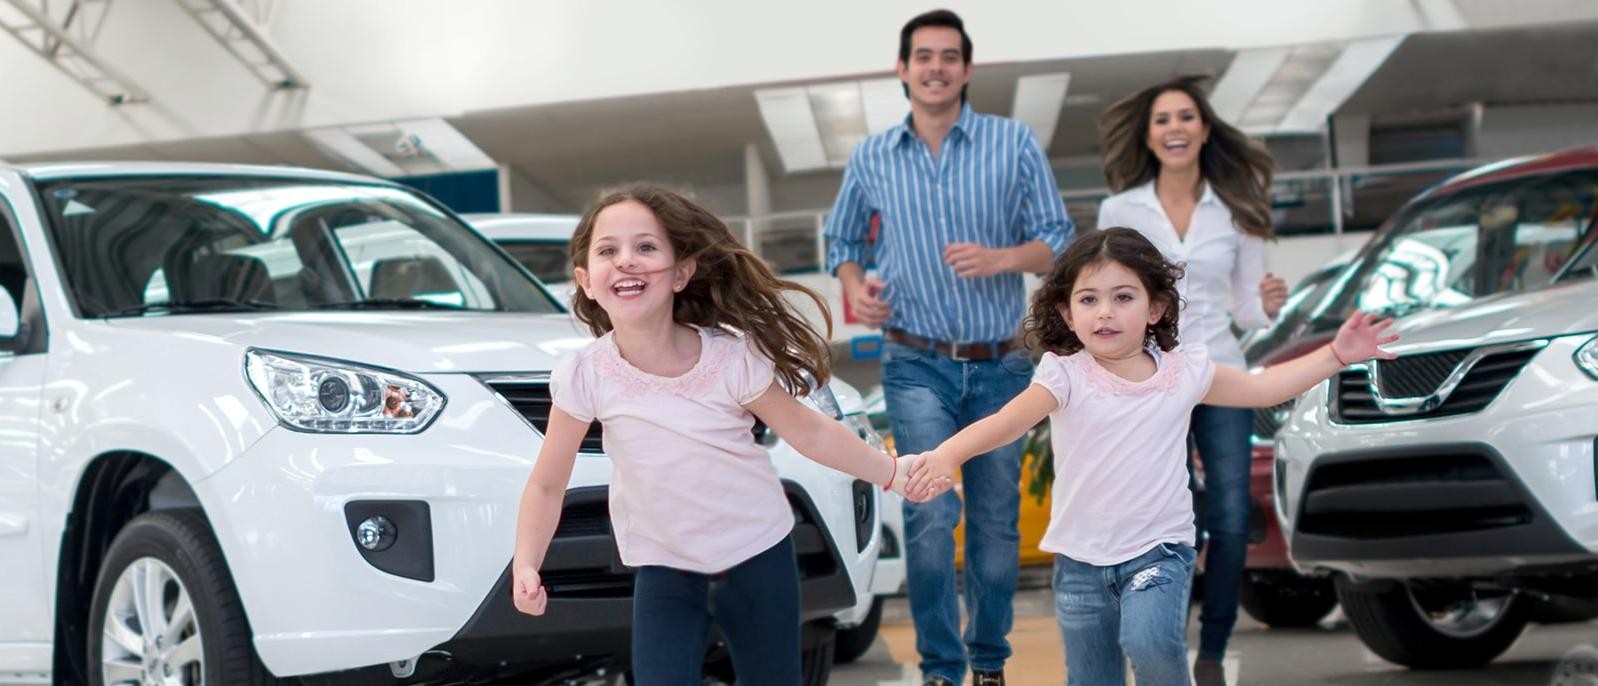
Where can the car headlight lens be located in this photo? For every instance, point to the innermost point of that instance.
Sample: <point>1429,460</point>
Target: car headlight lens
<point>861,424</point>
<point>823,399</point>
<point>1587,358</point>
<point>330,396</point>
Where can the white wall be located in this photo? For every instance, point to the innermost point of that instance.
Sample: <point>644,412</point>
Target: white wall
<point>1511,131</point>
<point>376,60</point>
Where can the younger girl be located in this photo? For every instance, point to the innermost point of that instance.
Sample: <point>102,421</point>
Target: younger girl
<point>696,340</point>
<point>1119,392</point>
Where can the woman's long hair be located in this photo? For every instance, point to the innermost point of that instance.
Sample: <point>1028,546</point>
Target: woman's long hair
<point>1237,167</point>
<point>731,288</point>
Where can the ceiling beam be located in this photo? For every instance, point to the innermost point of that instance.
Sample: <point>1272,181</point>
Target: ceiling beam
<point>54,40</point>
<point>242,33</point>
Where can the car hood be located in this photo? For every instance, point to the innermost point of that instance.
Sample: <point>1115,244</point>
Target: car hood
<point>1553,311</point>
<point>416,342</point>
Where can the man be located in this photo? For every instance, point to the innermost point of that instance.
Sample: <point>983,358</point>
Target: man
<point>967,203</point>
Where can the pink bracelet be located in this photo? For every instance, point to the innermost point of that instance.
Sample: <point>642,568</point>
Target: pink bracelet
<point>1333,350</point>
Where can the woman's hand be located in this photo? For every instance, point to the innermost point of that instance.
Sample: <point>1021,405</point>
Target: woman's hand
<point>1273,293</point>
<point>1361,338</point>
<point>527,591</point>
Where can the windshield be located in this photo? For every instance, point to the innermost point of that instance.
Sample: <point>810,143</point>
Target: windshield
<point>132,246</point>
<point>1509,237</point>
<point>550,261</point>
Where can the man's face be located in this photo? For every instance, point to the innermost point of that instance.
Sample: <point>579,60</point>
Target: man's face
<point>937,71</point>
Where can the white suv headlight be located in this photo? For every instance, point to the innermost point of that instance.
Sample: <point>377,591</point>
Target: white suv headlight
<point>331,396</point>
<point>1587,358</point>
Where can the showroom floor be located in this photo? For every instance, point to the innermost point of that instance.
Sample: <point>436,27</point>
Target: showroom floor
<point>1330,654</point>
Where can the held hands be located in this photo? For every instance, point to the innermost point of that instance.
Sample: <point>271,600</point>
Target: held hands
<point>867,303</point>
<point>932,476</point>
<point>971,260</point>
<point>1273,294</point>
<point>527,590</point>
<point>1360,338</point>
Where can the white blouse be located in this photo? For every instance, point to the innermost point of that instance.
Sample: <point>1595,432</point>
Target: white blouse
<point>1223,266</point>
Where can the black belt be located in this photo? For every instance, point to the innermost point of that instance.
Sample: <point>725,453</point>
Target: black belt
<point>960,352</point>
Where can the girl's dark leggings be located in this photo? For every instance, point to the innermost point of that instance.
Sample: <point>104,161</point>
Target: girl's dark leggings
<point>756,604</point>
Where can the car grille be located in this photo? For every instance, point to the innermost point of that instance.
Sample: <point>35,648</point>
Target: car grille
<point>1390,497</point>
<point>1418,376</point>
<point>1268,420</point>
<point>583,563</point>
<point>531,398</point>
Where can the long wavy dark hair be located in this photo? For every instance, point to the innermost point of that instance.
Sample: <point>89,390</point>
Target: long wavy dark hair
<point>1045,329</point>
<point>1237,167</point>
<point>731,289</point>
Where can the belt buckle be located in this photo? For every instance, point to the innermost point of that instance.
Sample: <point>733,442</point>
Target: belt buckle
<point>954,353</point>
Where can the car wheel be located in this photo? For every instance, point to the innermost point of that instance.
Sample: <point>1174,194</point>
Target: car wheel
<point>165,610</point>
<point>1432,626</point>
<point>855,641</point>
<point>1284,598</point>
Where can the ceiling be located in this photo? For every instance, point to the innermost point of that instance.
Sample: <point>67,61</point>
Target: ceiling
<point>696,139</point>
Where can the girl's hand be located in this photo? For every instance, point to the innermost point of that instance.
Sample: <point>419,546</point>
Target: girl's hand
<point>527,592</point>
<point>1360,338</point>
<point>931,476</point>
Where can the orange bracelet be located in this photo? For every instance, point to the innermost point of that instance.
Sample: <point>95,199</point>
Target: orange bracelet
<point>894,475</point>
<point>1333,350</point>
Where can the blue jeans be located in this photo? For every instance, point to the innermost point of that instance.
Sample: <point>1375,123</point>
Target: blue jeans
<point>1222,437</point>
<point>930,397</point>
<point>1136,609</point>
<point>756,604</point>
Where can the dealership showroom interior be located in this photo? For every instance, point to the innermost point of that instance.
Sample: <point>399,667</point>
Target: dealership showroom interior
<point>1001,342</point>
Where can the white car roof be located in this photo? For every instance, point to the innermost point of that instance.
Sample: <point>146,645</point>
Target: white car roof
<point>525,227</point>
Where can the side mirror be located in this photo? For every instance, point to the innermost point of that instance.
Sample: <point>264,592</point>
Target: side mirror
<point>8,315</point>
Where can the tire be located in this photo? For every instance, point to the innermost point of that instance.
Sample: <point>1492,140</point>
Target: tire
<point>209,641</point>
<point>1286,599</point>
<point>1464,631</point>
<point>855,641</point>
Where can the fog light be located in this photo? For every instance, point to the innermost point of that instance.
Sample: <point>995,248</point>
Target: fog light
<point>376,533</point>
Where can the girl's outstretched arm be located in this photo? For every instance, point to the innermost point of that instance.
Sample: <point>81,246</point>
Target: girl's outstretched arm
<point>827,441</point>
<point>540,509</point>
<point>1360,338</point>
<point>1011,422</point>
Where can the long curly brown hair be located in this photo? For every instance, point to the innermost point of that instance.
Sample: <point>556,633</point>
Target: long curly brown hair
<point>1237,167</point>
<point>731,288</point>
<point>1045,329</point>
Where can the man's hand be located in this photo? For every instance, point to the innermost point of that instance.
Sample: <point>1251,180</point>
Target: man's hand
<point>867,303</point>
<point>527,591</point>
<point>1273,292</point>
<point>971,260</point>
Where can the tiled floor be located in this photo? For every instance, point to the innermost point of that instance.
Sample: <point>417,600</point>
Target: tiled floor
<point>1329,654</point>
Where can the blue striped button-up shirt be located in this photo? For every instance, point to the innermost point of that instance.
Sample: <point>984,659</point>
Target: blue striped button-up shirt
<point>990,185</point>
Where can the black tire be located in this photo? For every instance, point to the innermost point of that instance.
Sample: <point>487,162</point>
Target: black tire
<point>1286,599</point>
<point>1389,621</point>
<point>180,542</point>
<point>855,641</point>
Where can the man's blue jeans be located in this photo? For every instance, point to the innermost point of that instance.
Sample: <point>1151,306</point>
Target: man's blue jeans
<point>1136,609</point>
<point>1222,437</point>
<point>930,397</point>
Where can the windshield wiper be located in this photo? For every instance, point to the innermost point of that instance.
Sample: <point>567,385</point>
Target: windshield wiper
<point>386,304</point>
<point>201,305</point>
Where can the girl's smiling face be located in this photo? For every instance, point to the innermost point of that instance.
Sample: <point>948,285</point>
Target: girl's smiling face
<point>631,270</point>
<point>1110,311</point>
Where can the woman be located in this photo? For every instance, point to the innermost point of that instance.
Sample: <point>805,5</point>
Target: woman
<point>1200,190</point>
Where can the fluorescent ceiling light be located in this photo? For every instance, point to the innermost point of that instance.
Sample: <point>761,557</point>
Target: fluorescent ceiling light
<point>1038,99</point>
<point>403,148</point>
<point>1293,90</point>
<point>818,126</point>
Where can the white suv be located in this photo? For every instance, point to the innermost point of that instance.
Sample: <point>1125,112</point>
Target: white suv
<point>1453,489</point>
<point>266,421</point>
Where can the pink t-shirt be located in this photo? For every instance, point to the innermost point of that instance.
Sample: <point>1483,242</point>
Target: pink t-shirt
<point>690,488</point>
<point>1120,454</point>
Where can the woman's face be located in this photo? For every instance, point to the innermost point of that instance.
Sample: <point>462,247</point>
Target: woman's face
<point>1176,130</point>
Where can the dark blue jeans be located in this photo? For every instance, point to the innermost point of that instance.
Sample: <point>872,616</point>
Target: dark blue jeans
<point>1222,437</point>
<point>1136,609</point>
<point>756,604</point>
<point>929,398</point>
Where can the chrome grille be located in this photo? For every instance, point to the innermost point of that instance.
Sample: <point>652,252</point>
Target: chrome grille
<point>1488,372</point>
